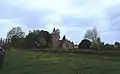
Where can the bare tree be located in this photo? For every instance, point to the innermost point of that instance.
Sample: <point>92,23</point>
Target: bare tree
<point>91,34</point>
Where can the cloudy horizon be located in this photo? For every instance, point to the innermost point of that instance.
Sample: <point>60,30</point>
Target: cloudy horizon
<point>72,17</point>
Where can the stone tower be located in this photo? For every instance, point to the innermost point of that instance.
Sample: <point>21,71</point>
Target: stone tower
<point>57,43</point>
<point>55,38</point>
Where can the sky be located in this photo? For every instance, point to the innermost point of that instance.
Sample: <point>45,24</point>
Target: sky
<point>72,17</point>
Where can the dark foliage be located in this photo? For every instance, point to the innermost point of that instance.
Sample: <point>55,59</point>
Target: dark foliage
<point>117,43</point>
<point>85,44</point>
<point>38,39</point>
<point>30,39</point>
<point>109,47</point>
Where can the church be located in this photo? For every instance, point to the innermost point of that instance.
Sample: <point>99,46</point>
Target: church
<point>57,43</point>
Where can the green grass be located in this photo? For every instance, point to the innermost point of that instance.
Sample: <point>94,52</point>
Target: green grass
<point>26,62</point>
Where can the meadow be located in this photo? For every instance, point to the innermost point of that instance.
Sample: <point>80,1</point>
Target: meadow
<point>28,62</point>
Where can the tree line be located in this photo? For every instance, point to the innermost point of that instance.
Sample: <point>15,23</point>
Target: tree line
<point>92,40</point>
<point>34,39</point>
<point>16,38</point>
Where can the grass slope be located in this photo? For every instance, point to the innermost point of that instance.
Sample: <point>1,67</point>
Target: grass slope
<point>25,62</point>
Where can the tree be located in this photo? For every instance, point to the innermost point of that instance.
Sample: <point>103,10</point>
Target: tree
<point>91,34</point>
<point>38,39</point>
<point>99,40</point>
<point>31,38</point>
<point>97,44</point>
<point>44,37</point>
<point>84,44</point>
<point>117,43</point>
<point>109,47</point>
<point>15,34</point>
<point>16,31</point>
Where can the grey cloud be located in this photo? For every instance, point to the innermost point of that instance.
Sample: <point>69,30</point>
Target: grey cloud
<point>113,17</point>
<point>110,36</point>
<point>72,21</point>
<point>35,18</point>
<point>30,17</point>
<point>113,13</point>
<point>84,22</point>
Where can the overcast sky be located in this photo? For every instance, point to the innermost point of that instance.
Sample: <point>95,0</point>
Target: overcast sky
<point>72,17</point>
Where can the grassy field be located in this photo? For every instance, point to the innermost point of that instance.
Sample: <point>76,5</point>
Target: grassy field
<point>26,62</point>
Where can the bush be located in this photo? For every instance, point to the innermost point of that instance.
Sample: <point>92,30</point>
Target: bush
<point>85,44</point>
<point>109,47</point>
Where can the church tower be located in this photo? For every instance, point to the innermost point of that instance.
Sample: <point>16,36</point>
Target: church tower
<point>55,38</point>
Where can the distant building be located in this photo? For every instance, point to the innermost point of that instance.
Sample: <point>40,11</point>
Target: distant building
<point>57,43</point>
<point>76,46</point>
